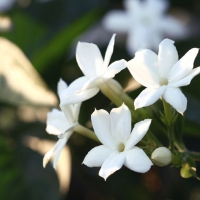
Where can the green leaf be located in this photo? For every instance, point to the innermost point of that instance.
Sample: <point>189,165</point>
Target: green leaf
<point>19,81</point>
<point>188,169</point>
<point>63,40</point>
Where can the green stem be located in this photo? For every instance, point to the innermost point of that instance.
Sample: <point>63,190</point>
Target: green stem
<point>113,90</point>
<point>169,122</point>
<point>194,155</point>
<point>86,132</point>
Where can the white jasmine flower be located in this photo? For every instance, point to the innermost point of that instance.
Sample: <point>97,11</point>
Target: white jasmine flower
<point>95,69</point>
<point>163,74</point>
<point>118,142</point>
<point>145,22</point>
<point>61,123</point>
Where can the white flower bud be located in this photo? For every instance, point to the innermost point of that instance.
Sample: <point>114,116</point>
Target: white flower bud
<point>161,156</point>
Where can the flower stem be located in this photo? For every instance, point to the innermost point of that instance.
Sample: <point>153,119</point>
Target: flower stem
<point>194,155</point>
<point>113,90</point>
<point>86,132</point>
<point>169,122</point>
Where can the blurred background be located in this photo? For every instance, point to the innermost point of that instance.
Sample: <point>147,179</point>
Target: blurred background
<point>37,48</point>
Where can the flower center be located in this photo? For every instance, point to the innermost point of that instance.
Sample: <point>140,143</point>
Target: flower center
<point>163,81</point>
<point>121,147</point>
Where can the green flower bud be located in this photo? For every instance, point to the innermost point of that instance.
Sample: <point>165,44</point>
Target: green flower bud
<point>161,156</point>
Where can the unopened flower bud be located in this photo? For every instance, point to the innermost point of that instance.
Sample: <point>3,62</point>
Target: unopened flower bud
<point>161,156</point>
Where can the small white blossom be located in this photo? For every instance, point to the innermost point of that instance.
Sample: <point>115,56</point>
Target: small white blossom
<point>61,123</point>
<point>161,156</point>
<point>118,142</point>
<point>95,69</point>
<point>163,74</point>
<point>145,23</point>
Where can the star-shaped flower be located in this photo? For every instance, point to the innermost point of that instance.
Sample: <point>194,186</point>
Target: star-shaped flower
<point>118,142</point>
<point>145,22</point>
<point>61,123</point>
<point>163,74</point>
<point>95,69</point>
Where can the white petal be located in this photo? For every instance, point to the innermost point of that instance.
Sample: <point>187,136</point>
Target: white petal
<point>114,68</point>
<point>133,6</point>
<point>69,96</point>
<point>102,127</point>
<point>50,153</point>
<point>109,52</point>
<point>137,160</point>
<point>138,132</point>
<point>89,59</point>
<point>91,83</point>
<point>148,96</point>
<point>157,7</point>
<point>138,38</point>
<point>167,57</point>
<point>144,68</point>
<point>113,163</point>
<point>56,122</point>
<point>62,143</point>
<point>176,99</point>
<point>120,123</point>
<point>97,156</point>
<point>67,110</point>
<point>185,81</point>
<point>178,31</point>
<point>61,86</point>
<point>183,66</point>
<point>116,21</point>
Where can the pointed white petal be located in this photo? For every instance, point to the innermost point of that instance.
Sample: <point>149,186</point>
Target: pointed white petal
<point>176,99</point>
<point>116,21</point>
<point>178,31</point>
<point>91,83</point>
<point>133,7</point>
<point>67,110</point>
<point>142,36</point>
<point>157,7</point>
<point>186,80</point>
<point>113,163</point>
<point>114,68</point>
<point>109,52</point>
<point>89,59</point>
<point>50,153</point>
<point>69,96</point>
<point>120,123</point>
<point>137,160</point>
<point>167,57</point>
<point>137,39</point>
<point>144,68</point>
<point>183,66</point>
<point>148,96</point>
<point>97,156</point>
<point>138,132</point>
<point>68,131</point>
<point>56,122</point>
<point>61,86</point>
<point>102,127</point>
<point>62,143</point>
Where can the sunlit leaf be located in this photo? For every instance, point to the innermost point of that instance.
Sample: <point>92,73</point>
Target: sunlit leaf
<point>19,81</point>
